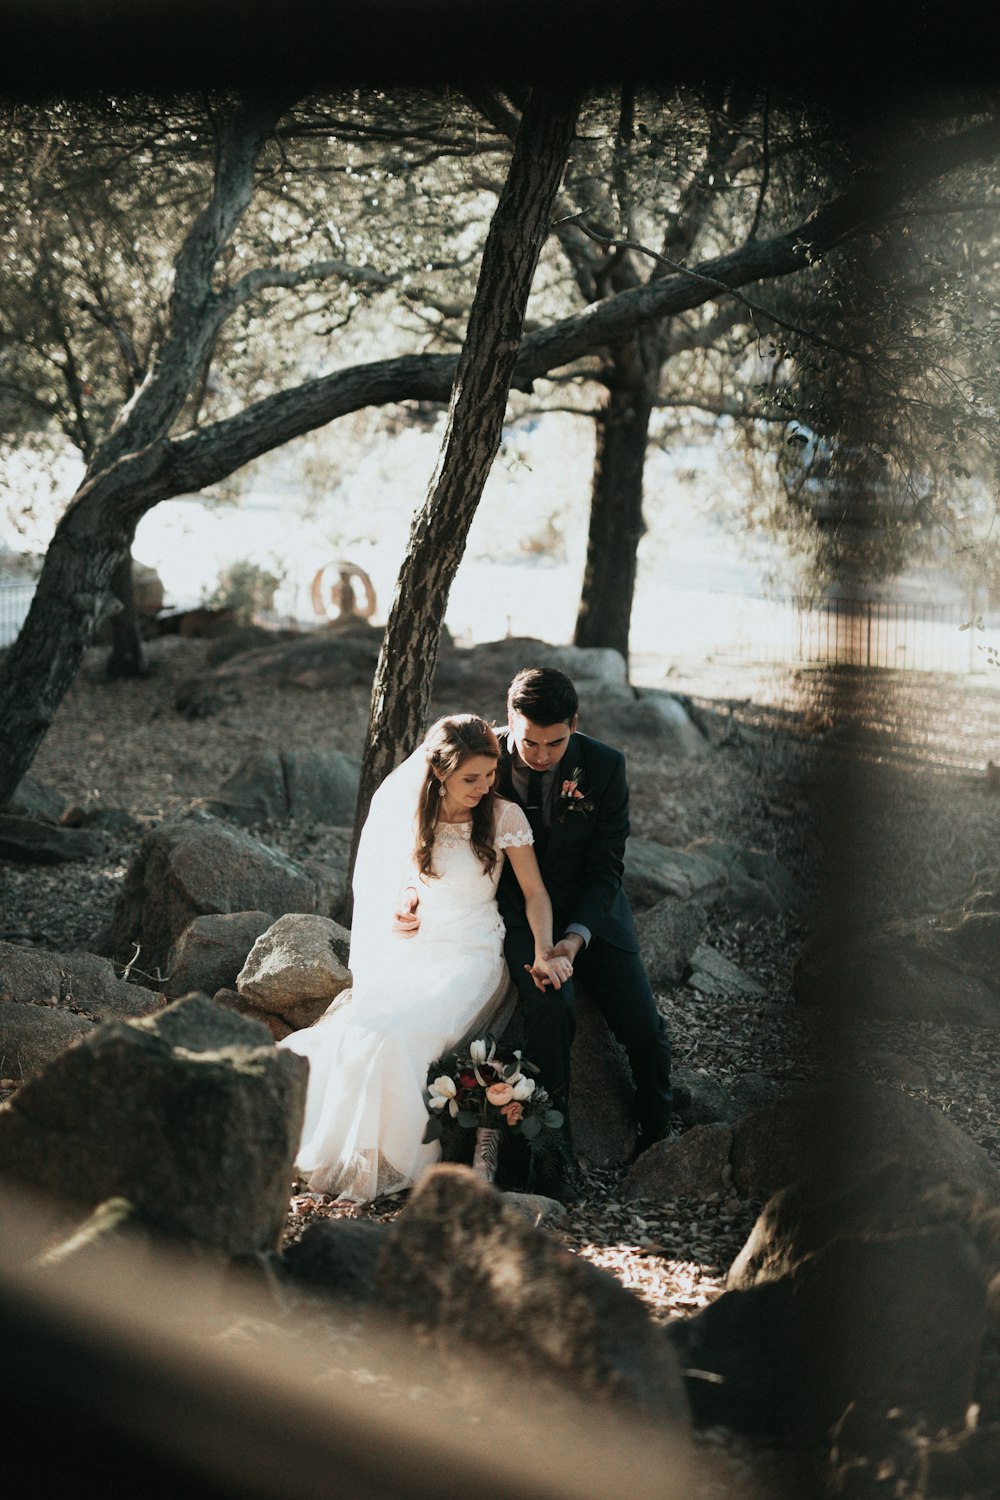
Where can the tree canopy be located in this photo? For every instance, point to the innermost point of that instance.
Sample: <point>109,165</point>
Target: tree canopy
<point>223,257</point>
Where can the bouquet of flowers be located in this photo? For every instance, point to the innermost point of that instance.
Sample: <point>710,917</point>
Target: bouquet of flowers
<point>486,1089</point>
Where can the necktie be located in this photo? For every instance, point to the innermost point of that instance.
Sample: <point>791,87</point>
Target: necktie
<point>534,805</point>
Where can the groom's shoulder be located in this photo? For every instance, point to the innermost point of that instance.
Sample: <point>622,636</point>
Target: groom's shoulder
<point>597,748</point>
<point>602,758</point>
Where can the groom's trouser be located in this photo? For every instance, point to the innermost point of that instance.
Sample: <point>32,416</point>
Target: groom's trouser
<point>617,981</point>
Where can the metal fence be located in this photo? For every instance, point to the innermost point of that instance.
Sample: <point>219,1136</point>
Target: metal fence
<point>15,601</point>
<point>891,634</point>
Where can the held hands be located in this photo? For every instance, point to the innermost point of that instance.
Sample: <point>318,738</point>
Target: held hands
<point>555,965</point>
<point>406,917</point>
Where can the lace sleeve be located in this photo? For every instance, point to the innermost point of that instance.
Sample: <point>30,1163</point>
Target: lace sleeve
<point>512,827</point>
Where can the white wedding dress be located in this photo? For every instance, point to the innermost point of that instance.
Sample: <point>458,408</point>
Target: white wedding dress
<point>416,999</point>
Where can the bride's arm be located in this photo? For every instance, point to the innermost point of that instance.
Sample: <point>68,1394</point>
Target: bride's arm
<point>545,970</point>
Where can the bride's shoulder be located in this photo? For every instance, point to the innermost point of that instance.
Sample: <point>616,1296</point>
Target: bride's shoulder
<point>509,818</point>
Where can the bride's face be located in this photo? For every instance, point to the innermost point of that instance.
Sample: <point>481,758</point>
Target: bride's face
<point>465,788</point>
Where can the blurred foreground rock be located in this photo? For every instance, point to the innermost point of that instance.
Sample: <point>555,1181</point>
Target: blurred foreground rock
<point>459,1261</point>
<point>192,1115</point>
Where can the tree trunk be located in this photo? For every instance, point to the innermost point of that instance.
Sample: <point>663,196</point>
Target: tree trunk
<point>616,520</point>
<point>403,678</point>
<point>74,596</point>
<point>127,657</point>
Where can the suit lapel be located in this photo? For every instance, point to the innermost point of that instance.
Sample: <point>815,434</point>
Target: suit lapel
<point>567,766</point>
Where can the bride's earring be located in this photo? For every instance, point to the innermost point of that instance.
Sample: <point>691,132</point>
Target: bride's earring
<point>440,788</point>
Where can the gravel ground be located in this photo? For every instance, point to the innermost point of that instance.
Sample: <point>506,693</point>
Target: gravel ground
<point>870,787</point>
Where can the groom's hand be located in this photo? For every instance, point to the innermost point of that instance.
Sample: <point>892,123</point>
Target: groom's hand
<point>406,917</point>
<point>567,947</point>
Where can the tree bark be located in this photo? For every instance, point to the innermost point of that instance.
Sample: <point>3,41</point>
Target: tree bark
<point>405,671</point>
<point>127,657</point>
<point>616,519</point>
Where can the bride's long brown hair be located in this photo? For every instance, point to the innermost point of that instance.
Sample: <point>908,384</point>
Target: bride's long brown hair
<point>450,742</point>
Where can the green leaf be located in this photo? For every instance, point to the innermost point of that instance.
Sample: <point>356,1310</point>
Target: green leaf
<point>434,1130</point>
<point>468,1118</point>
<point>530,1126</point>
<point>553,1119</point>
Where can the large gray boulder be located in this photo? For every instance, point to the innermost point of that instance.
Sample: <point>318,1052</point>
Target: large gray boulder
<point>320,660</point>
<point>596,670</point>
<point>274,785</point>
<point>692,1165</point>
<point>711,973</point>
<point>669,934</point>
<point>29,841</point>
<point>884,1198</point>
<point>843,1129</point>
<point>192,1115</point>
<point>654,871</point>
<point>900,971</point>
<point>883,1321</point>
<point>652,716</point>
<point>757,884</point>
<point>48,1000</point>
<point>31,799</point>
<point>601,1090</point>
<point>192,865</point>
<point>80,983</point>
<point>297,967</point>
<point>700,1099</point>
<point>212,950</point>
<point>32,1035</point>
<point>458,1260</point>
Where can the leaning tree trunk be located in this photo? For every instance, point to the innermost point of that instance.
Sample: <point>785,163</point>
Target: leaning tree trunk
<point>127,657</point>
<point>73,598</point>
<point>132,467</point>
<point>616,520</point>
<point>402,687</point>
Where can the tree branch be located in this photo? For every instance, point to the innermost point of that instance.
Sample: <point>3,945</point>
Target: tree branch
<point>754,308</point>
<point>274,276</point>
<point>204,457</point>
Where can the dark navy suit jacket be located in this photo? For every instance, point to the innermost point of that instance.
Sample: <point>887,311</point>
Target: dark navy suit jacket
<point>581,856</point>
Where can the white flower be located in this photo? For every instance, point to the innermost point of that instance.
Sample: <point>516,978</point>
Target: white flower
<point>442,1092</point>
<point>524,1088</point>
<point>477,1051</point>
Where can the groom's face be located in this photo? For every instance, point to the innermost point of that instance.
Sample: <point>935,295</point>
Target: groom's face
<point>540,746</point>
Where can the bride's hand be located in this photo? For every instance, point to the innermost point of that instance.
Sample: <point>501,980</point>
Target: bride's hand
<point>406,917</point>
<point>551,968</point>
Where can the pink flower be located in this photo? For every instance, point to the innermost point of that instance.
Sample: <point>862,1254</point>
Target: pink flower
<point>499,1093</point>
<point>512,1112</point>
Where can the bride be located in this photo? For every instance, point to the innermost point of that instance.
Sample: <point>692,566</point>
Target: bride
<point>420,987</point>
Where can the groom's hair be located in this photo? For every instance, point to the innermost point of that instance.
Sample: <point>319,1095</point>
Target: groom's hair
<point>543,695</point>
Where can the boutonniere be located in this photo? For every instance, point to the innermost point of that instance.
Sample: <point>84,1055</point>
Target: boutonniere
<point>571,799</point>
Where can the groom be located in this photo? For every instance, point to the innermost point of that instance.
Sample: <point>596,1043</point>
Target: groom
<point>574,792</point>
